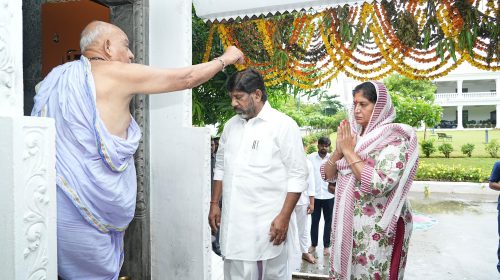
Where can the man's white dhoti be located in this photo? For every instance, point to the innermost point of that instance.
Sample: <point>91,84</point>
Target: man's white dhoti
<point>276,268</point>
<point>302,227</point>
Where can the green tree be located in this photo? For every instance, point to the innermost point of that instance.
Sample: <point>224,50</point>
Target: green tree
<point>330,104</point>
<point>413,101</point>
<point>325,114</point>
<point>311,149</point>
<point>211,102</point>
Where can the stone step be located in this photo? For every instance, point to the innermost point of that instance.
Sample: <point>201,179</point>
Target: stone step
<point>307,276</point>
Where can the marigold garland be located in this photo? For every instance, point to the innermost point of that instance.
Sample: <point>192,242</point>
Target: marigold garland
<point>359,40</point>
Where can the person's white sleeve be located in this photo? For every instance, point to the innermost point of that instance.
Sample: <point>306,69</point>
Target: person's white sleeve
<point>311,188</point>
<point>219,157</point>
<point>293,157</point>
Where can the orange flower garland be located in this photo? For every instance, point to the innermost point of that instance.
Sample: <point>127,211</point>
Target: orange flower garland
<point>315,53</point>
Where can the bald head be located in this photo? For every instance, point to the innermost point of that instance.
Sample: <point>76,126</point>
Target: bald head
<point>105,40</point>
<point>95,32</point>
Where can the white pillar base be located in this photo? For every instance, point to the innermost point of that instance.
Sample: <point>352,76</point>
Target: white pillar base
<point>459,88</point>
<point>28,199</point>
<point>497,125</point>
<point>497,87</point>
<point>180,195</point>
<point>459,117</point>
<point>179,157</point>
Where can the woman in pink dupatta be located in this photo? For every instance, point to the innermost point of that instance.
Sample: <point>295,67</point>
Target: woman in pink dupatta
<point>373,168</point>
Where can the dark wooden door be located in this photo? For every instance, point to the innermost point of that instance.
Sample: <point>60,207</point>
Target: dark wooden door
<point>62,23</point>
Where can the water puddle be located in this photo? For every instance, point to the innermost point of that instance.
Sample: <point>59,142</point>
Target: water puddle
<point>426,210</point>
<point>428,206</point>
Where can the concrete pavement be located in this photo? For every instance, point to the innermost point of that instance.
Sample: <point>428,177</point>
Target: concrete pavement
<point>455,235</point>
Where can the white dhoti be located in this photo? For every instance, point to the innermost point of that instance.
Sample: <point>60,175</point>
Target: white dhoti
<point>302,227</point>
<point>276,268</point>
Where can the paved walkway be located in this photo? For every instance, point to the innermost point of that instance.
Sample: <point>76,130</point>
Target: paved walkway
<point>455,235</point>
<point>462,242</point>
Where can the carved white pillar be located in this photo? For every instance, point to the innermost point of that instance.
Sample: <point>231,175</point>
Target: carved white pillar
<point>459,117</point>
<point>459,88</point>
<point>27,168</point>
<point>179,157</point>
<point>11,71</point>
<point>28,200</point>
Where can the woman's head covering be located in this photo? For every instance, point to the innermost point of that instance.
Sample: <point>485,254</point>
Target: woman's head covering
<point>383,111</point>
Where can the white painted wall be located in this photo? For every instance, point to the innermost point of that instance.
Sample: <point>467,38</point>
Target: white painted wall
<point>472,86</point>
<point>449,113</point>
<point>27,167</point>
<point>479,85</point>
<point>446,87</point>
<point>478,113</point>
<point>179,155</point>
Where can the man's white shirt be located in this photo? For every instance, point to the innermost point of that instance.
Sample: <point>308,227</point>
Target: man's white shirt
<point>321,185</point>
<point>259,162</point>
<point>311,188</point>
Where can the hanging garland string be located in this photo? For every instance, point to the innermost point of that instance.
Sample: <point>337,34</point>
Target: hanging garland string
<point>418,38</point>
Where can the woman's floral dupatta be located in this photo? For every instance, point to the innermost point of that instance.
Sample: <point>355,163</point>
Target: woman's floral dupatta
<point>379,133</point>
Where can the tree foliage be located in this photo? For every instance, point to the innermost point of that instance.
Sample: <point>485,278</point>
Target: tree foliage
<point>211,102</point>
<point>413,101</point>
<point>331,105</point>
<point>327,113</point>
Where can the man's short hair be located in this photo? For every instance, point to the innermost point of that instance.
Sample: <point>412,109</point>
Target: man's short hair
<point>324,140</point>
<point>90,35</point>
<point>248,80</point>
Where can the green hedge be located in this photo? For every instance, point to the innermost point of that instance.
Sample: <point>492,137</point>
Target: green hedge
<point>439,172</point>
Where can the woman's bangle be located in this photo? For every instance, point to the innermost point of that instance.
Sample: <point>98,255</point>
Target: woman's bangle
<point>330,162</point>
<point>214,202</point>
<point>354,162</point>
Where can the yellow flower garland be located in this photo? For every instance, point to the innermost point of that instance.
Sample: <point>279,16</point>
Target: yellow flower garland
<point>381,55</point>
